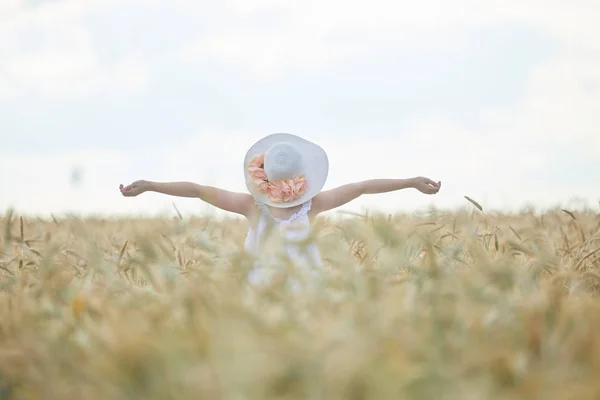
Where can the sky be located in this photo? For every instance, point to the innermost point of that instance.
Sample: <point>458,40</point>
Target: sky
<point>498,99</point>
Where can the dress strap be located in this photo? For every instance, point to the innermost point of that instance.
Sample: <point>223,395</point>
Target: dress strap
<point>303,210</point>
<point>262,207</point>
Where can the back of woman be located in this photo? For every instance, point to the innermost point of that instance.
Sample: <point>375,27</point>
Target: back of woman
<point>283,172</point>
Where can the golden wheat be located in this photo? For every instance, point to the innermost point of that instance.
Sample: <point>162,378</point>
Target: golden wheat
<point>440,305</point>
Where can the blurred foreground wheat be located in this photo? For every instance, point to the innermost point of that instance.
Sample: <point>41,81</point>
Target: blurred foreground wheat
<point>459,305</point>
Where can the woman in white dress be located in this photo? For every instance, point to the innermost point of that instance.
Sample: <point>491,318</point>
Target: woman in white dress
<point>285,175</point>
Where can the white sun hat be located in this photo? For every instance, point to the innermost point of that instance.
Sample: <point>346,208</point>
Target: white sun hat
<point>287,158</point>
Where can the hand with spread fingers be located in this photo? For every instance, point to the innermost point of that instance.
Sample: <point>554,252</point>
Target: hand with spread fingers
<point>426,185</point>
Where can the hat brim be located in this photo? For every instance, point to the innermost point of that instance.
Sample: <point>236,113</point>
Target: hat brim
<point>315,166</point>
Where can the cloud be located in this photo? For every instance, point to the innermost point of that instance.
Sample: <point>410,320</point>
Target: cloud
<point>263,54</point>
<point>48,50</point>
<point>9,5</point>
<point>267,36</point>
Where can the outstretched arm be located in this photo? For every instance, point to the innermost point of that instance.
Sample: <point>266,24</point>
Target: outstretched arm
<point>339,196</point>
<point>239,203</point>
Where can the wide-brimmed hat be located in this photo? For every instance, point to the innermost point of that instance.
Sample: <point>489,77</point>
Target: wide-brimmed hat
<point>284,170</point>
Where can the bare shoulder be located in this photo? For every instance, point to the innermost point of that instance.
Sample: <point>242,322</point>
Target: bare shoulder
<point>336,197</point>
<point>236,202</point>
<point>248,206</point>
<point>317,201</point>
<point>319,204</point>
<point>251,211</point>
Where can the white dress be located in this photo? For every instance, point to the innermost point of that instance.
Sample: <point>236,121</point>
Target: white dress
<point>292,233</point>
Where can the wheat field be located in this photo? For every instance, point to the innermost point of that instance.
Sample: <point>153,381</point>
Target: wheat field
<point>437,305</point>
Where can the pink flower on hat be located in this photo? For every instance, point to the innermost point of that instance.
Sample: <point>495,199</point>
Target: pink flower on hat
<point>285,190</point>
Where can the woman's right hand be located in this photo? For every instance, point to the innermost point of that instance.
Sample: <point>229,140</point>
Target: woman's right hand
<point>134,189</point>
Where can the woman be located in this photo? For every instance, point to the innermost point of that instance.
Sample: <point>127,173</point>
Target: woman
<point>284,174</point>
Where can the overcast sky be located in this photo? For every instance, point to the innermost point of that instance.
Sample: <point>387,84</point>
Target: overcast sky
<point>498,99</point>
